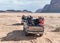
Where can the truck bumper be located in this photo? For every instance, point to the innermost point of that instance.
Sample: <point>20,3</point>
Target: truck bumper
<point>35,32</point>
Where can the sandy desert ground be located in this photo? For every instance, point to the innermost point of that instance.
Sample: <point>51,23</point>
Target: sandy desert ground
<point>11,30</point>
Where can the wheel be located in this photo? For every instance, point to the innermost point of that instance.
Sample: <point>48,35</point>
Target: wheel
<point>22,23</point>
<point>25,33</point>
<point>39,35</point>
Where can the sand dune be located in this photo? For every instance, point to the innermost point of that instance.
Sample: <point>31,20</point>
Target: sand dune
<point>11,30</point>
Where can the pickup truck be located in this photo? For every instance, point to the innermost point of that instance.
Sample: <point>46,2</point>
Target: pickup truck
<point>29,29</point>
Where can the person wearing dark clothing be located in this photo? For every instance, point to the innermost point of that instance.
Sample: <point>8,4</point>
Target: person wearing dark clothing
<point>23,17</point>
<point>36,22</point>
<point>29,19</point>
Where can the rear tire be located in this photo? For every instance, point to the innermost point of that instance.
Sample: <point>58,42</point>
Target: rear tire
<point>26,34</point>
<point>22,23</point>
<point>40,35</point>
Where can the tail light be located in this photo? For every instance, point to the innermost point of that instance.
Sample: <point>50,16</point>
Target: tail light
<point>27,28</point>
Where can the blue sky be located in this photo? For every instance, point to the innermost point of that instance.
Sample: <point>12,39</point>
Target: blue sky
<point>31,5</point>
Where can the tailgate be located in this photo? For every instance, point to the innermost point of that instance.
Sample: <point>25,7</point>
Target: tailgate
<point>35,28</point>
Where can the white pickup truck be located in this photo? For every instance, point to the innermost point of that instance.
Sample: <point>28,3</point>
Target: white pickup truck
<point>37,30</point>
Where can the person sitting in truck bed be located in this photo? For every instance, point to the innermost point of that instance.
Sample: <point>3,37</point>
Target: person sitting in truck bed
<point>36,22</point>
<point>29,19</point>
<point>24,18</point>
<point>41,21</point>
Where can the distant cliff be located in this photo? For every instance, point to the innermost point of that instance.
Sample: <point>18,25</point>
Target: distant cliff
<point>53,7</point>
<point>46,8</point>
<point>38,11</point>
<point>27,11</point>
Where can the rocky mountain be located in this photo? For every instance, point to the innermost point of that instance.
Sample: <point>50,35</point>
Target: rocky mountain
<point>27,11</point>
<point>38,11</point>
<point>53,7</point>
<point>13,10</point>
<point>46,8</point>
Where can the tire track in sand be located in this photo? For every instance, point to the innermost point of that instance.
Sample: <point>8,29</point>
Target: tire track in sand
<point>48,40</point>
<point>33,41</point>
